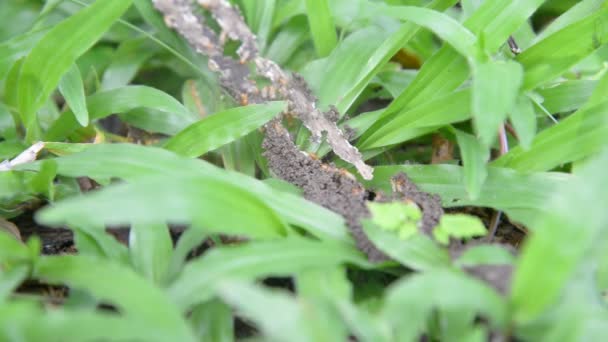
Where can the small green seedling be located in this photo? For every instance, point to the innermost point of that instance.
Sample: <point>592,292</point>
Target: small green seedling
<point>459,226</point>
<point>400,217</point>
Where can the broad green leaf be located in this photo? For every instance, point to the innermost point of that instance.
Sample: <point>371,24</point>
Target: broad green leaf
<point>202,200</point>
<point>57,51</point>
<point>474,157</point>
<point>397,217</point>
<point>222,128</point>
<point>279,316</point>
<point>27,321</point>
<point>124,99</point>
<point>145,161</point>
<point>10,279</point>
<point>151,248</point>
<point>485,255</point>
<point>459,226</point>
<point>96,242</point>
<point>524,196</point>
<point>322,26</point>
<point>119,286</point>
<point>418,252</point>
<point>72,89</point>
<point>495,89</point>
<point>199,279</point>
<point>523,118</point>
<point>213,321</point>
<point>565,234</point>
<point>11,249</point>
<point>423,293</point>
<point>320,288</point>
<point>578,136</point>
<point>552,56</point>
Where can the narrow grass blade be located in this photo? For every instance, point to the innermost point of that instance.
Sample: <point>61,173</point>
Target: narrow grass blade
<point>72,89</point>
<point>552,56</point>
<point>222,128</point>
<point>322,26</point>
<point>57,51</point>
<point>578,136</point>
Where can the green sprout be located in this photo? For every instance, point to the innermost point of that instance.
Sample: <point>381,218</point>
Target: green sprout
<point>400,217</point>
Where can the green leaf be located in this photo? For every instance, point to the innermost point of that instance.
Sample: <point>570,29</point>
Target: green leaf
<point>279,316</point>
<point>11,249</point>
<point>485,255</point>
<point>446,69</point>
<point>578,136</point>
<point>418,252</point>
<point>151,249</point>
<point>126,62</point>
<point>343,62</point>
<point>424,292</point>
<point>402,218</point>
<point>119,286</point>
<point>566,96</point>
<point>57,51</point>
<point>200,278</point>
<point>188,241</point>
<point>446,28</point>
<point>213,321</point>
<point>522,199</point>
<point>565,234</point>
<point>523,118</point>
<point>420,120</point>
<point>175,116</point>
<point>322,26</point>
<point>202,200</point>
<point>474,157</point>
<point>27,320</point>
<point>552,56</point>
<point>72,89</point>
<point>495,89</point>
<point>459,226</point>
<point>10,279</point>
<point>146,161</point>
<point>222,128</point>
<point>17,47</point>
<point>382,54</point>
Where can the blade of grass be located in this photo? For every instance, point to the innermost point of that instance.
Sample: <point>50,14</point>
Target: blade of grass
<point>322,26</point>
<point>222,128</point>
<point>72,89</point>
